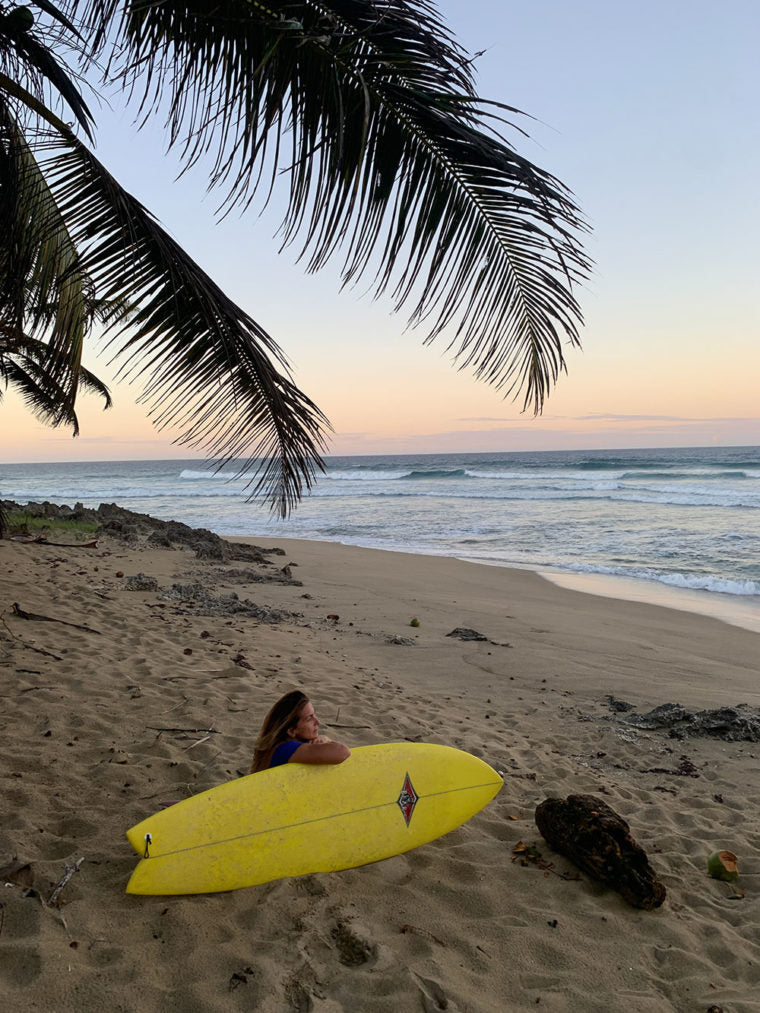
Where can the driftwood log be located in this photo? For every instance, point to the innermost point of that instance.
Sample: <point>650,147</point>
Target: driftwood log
<point>592,835</point>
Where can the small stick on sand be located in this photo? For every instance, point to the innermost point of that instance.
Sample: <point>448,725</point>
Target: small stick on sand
<point>197,743</point>
<point>205,731</point>
<point>41,650</point>
<point>70,870</point>
<point>16,610</point>
<point>177,706</point>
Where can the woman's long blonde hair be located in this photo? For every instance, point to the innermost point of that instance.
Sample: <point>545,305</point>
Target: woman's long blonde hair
<point>274,730</point>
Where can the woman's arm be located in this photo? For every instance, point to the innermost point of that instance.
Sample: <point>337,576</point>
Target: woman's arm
<point>325,751</point>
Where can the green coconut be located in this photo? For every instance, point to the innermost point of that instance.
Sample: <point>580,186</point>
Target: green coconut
<point>21,18</point>
<point>414,622</point>
<point>723,865</point>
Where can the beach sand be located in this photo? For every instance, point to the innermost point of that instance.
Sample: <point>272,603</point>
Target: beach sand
<point>455,925</point>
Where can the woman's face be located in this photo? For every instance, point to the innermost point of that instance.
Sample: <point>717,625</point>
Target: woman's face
<point>307,727</point>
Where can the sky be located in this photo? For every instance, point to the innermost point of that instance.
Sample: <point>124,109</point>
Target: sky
<point>648,113</point>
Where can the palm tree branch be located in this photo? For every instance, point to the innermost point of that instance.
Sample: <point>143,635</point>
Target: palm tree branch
<point>35,105</point>
<point>46,290</point>
<point>27,369</point>
<point>394,160</point>
<point>206,366</point>
<point>39,63</point>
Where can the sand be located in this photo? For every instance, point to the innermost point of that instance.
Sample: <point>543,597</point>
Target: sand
<point>455,925</point>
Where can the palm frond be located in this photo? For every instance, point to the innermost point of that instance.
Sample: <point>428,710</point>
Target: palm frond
<point>45,291</point>
<point>29,52</point>
<point>27,370</point>
<point>54,11</point>
<point>205,366</point>
<point>369,108</point>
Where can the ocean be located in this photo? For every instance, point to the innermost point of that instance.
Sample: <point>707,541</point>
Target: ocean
<point>684,518</point>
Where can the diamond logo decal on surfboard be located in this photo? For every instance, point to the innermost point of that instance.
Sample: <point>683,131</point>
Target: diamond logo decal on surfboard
<point>407,800</point>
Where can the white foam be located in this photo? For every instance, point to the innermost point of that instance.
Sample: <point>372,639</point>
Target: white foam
<point>743,612</point>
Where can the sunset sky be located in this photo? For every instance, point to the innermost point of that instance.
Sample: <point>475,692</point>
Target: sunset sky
<point>649,113</point>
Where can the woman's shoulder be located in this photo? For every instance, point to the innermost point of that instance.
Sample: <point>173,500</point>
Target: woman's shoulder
<point>283,751</point>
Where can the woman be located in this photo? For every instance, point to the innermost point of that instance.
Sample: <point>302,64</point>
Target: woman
<point>290,734</point>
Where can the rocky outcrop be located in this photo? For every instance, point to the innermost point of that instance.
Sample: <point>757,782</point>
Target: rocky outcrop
<point>130,526</point>
<point>733,724</point>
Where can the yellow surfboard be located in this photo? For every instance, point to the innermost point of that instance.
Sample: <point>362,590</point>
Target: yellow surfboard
<point>297,818</point>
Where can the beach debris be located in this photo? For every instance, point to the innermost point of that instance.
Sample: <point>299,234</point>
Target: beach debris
<point>199,601</point>
<point>685,768</point>
<point>414,622</point>
<point>44,540</point>
<point>185,731</point>
<point>463,633</point>
<point>402,641</point>
<point>17,611</point>
<point>528,854</point>
<point>596,839</point>
<point>53,899</point>
<point>141,582</point>
<point>733,724</point>
<point>40,650</point>
<point>242,662</point>
<point>619,706</point>
<point>240,978</point>
<point>723,865</point>
<point>333,617</point>
<point>222,575</point>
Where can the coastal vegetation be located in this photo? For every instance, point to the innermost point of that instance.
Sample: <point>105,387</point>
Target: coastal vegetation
<point>23,522</point>
<point>366,110</point>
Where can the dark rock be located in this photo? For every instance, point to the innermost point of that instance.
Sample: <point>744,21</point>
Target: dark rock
<point>141,583</point>
<point>209,548</point>
<point>233,576</point>
<point>664,716</point>
<point>129,526</point>
<point>592,835</point>
<point>199,601</point>
<point>180,533</point>
<point>620,706</point>
<point>462,633</point>
<point>160,539</point>
<point>733,724</point>
<point>238,552</point>
<point>242,552</point>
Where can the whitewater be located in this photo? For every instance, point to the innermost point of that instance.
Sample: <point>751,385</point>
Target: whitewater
<point>687,518</point>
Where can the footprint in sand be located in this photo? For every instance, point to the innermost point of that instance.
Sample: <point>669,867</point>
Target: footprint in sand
<point>433,997</point>
<point>20,961</point>
<point>353,949</point>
